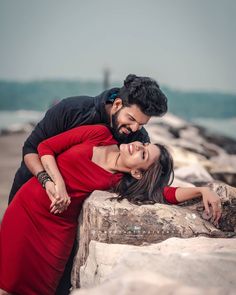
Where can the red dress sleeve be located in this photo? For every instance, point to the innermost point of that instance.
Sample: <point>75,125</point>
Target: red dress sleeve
<point>169,194</point>
<point>63,141</point>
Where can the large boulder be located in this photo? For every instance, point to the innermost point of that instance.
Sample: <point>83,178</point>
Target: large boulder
<point>124,223</point>
<point>175,266</point>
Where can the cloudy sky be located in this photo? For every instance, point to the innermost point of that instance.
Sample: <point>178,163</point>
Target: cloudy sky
<point>184,44</point>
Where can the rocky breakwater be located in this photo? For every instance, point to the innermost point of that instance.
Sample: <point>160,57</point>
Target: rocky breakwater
<point>121,244</point>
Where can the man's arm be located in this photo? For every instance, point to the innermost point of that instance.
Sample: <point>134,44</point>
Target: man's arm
<point>33,163</point>
<point>68,113</point>
<point>52,124</point>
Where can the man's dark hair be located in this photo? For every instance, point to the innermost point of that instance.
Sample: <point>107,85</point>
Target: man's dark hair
<point>145,93</point>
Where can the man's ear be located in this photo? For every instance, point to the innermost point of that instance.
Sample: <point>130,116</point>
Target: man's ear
<point>136,174</point>
<point>117,105</point>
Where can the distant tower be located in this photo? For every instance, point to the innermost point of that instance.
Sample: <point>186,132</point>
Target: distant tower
<point>106,78</point>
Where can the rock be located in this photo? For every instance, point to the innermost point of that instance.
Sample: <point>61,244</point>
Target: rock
<point>191,146</point>
<point>182,157</point>
<point>212,149</point>
<point>227,195</point>
<point>226,143</point>
<point>124,223</point>
<point>169,120</point>
<point>146,282</point>
<point>194,173</point>
<point>224,168</point>
<point>175,266</point>
<point>179,182</point>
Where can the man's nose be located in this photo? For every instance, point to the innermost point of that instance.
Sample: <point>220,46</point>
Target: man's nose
<point>135,127</point>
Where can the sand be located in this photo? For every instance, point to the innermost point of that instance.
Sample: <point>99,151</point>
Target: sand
<point>10,158</point>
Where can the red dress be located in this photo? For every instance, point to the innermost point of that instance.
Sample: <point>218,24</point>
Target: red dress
<point>35,244</point>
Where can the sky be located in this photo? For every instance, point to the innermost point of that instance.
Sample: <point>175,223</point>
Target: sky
<point>183,44</point>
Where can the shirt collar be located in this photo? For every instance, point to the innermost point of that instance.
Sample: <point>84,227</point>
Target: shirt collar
<point>100,102</point>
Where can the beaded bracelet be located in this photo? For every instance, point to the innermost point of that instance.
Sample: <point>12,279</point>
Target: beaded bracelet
<point>43,177</point>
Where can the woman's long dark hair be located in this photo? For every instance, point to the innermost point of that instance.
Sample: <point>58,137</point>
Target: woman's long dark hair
<point>148,189</point>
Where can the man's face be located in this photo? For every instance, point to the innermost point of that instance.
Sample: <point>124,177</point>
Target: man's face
<point>125,120</point>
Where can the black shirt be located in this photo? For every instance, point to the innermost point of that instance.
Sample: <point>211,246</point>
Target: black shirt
<point>73,112</point>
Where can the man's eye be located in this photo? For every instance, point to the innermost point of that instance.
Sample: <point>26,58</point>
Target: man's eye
<point>131,118</point>
<point>143,155</point>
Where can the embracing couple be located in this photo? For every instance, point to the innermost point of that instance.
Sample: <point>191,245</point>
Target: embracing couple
<point>81,145</point>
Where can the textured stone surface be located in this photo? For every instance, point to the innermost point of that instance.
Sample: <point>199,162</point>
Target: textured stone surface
<point>199,157</point>
<point>191,145</point>
<point>193,173</point>
<point>124,223</point>
<point>192,265</point>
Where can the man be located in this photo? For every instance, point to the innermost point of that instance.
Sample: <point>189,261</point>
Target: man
<point>125,110</point>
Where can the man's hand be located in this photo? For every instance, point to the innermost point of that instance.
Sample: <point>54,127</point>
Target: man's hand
<point>210,198</point>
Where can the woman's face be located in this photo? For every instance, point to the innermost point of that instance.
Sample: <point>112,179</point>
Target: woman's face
<point>136,155</point>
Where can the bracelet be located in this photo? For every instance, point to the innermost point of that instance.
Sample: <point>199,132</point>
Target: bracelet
<point>43,177</point>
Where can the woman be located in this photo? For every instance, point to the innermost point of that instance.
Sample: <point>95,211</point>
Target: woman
<point>33,253</point>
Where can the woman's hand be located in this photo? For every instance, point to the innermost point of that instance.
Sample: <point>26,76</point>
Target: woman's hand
<point>50,190</point>
<point>58,196</point>
<point>62,200</point>
<point>210,198</point>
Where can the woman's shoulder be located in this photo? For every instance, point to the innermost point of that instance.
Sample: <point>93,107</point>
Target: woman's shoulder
<point>99,132</point>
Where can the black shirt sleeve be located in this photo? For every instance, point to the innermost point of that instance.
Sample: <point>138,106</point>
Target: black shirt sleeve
<point>50,125</point>
<point>67,114</point>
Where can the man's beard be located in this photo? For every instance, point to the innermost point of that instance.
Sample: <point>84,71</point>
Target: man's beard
<point>120,137</point>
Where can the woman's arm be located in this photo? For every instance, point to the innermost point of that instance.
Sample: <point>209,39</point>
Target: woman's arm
<point>209,198</point>
<point>57,144</point>
<point>61,199</point>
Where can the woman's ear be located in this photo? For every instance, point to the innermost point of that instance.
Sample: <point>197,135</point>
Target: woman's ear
<point>136,174</point>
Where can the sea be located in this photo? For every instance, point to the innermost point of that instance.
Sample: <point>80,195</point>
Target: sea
<point>27,102</point>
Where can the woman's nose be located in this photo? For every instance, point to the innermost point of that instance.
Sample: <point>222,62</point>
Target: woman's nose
<point>138,147</point>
